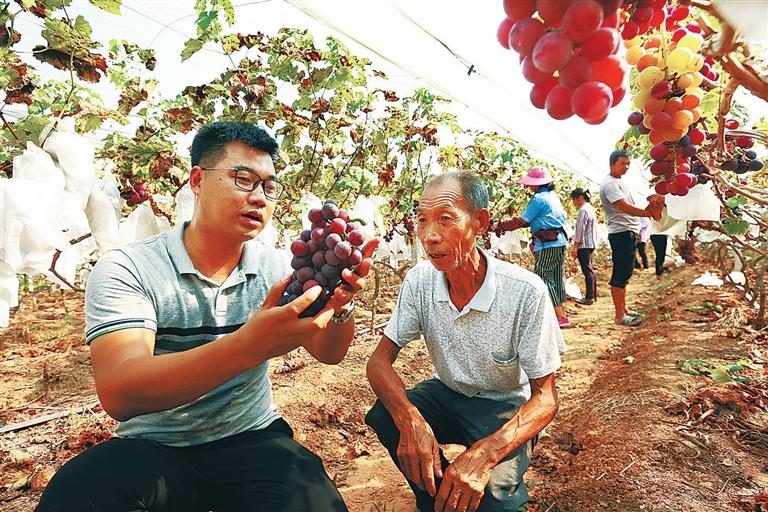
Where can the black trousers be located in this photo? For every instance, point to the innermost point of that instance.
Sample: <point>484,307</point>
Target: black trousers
<point>660,248</point>
<point>643,256</point>
<point>264,470</point>
<point>623,248</point>
<point>585,261</point>
<point>457,419</point>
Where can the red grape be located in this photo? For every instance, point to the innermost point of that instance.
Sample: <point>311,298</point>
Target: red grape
<point>558,104</point>
<point>576,72</point>
<point>540,91</point>
<point>610,71</point>
<point>518,9</point>
<point>601,44</point>
<point>591,100</point>
<point>582,19</point>
<point>502,33</point>
<point>552,51</point>
<point>532,74</point>
<point>524,34</point>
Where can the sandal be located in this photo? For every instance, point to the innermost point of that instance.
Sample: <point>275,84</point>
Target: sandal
<point>630,321</point>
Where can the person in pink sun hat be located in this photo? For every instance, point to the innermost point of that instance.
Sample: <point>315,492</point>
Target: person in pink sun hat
<point>546,218</point>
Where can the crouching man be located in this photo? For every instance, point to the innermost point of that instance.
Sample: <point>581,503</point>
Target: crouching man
<point>493,338</point>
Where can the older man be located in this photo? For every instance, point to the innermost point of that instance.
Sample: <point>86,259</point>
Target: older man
<point>495,344</point>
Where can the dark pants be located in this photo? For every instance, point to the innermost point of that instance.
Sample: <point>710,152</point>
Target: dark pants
<point>548,265</point>
<point>660,248</point>
<point>643,256</point>
<point>623,248</point>
<point>585,260</point>
<point>264,470</point>
<point>458,419</point>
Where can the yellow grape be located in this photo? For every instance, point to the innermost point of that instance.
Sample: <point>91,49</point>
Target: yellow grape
<point>649,76</point>
<point>634,54</point>
<point>691,41</point>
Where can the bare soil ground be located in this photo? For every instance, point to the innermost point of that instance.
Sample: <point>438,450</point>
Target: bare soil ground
<point>634,432</point>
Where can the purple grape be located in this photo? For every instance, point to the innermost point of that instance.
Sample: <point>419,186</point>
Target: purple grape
<point>304,274</point>
<point>330,257</point>
<point>318,259</point>
<point>343,250</point>
<point>321,279</point>
<point>305,235</point>
<point>298,262</point>
<point>343,215</point>
<point>355,258</point>
<point>356,237</point>
<point>309,284</point>
<point>330,271</point>
<point>294,288</point>
<point>351,226</point>
<point>332,239</point>
<point>318,235</point>
<point>299,248</point>
<point>314,247</point>
<point>315,215</point>
<point>330,211</point>
<point>337,226</point>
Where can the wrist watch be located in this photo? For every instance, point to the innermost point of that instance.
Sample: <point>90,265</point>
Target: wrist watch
<point>345,315</point>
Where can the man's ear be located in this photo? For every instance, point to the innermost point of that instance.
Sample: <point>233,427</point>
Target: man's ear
<point>195,179</point>
<point>483,220</point>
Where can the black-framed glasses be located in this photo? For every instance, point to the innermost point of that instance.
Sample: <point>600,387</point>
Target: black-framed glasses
<point>247,179</point>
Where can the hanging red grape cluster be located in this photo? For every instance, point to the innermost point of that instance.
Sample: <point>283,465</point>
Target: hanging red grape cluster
<point>670,70</point>
<point>568,50</point>
<point>332,244</point>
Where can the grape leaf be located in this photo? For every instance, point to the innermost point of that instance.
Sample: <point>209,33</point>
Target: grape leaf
<point>736,201</point>
<point>111,6</point>
<point>191,47</point>
<point>736,226</point>
<point>710,102</point>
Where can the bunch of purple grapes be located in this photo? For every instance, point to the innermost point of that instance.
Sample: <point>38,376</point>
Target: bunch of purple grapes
<point>137,193</point>
<point>321,253</point>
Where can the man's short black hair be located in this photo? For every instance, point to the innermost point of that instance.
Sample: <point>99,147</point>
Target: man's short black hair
<point>615,155</point>
<point>209,142</point>
<point>473,190</point>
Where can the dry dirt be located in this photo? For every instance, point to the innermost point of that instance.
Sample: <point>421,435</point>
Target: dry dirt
<point>634,431</point>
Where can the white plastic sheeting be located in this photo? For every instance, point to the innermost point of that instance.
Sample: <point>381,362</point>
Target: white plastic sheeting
<point>54,197</point>
<point>700,203</point>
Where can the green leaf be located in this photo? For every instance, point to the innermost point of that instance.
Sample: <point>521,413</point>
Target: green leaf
<point>191,47</point>
<point>736,201</point>
<point>111,6</point>
<point>747,363</point>
<point>736,226</point>
<point>720,375</point>
<point>733,368</point>
<point>320,75</point>
<point>710,102</point>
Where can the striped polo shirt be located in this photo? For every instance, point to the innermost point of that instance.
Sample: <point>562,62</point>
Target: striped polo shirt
<point>585,227</point>
<point>152,284</point>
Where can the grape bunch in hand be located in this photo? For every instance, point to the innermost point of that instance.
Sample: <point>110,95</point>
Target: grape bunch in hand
<point>332,244</point>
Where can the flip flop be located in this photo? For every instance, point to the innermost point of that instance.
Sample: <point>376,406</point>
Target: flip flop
<point>630,321</point>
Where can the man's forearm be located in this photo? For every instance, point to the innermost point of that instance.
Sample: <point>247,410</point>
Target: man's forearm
<point>390,389</point>
<point>531,419</point>
<point>146,383</point>
<point>332,343</point>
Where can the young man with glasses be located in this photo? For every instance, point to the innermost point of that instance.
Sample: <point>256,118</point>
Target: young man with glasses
<point>181,328</point>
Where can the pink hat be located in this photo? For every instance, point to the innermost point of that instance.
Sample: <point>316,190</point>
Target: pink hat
<point>536,176</point>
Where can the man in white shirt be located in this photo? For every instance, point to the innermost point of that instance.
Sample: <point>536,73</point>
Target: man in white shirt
<point>623,219</point>
<point>495,344</point>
